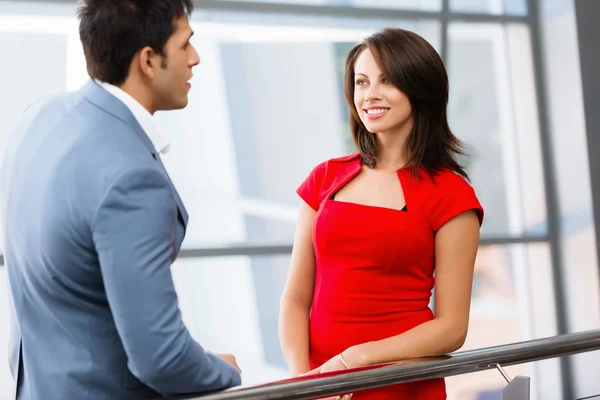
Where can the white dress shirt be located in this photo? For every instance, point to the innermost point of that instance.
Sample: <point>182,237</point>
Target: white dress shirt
<point>143,117</point>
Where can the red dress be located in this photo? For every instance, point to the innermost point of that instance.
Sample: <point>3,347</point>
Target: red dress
<point>374,265</point>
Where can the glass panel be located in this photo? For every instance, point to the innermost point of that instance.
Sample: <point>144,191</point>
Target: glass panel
<point>493,109</point>
<point>512,301</point>
<point>231,305</point>
<point>22,80</point>
<point>267,107</point>
<point>571,150</point>
<point>510,7</point>
<point>430,5</point>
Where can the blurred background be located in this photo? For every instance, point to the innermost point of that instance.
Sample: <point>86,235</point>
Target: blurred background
<point>267,106</point>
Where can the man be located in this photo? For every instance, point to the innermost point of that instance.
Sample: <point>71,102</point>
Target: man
<point>91,221</point>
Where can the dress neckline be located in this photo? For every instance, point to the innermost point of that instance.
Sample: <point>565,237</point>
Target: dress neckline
<point>355,168</point>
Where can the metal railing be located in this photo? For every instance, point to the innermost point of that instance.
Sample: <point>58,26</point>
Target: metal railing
<point>273,248</point>
<point>354,380</point>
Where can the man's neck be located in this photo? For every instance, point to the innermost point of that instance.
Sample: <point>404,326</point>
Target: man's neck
<point>139,94</point>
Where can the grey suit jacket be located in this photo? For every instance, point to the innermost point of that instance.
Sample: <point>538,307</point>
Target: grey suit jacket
<point>91,224</point>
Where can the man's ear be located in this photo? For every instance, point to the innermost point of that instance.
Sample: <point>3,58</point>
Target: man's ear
<point>149,62</point>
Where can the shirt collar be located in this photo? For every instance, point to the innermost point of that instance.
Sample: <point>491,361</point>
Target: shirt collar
<point>143,117</point>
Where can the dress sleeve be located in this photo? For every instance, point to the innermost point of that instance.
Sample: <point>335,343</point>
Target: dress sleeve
<point>454,196</point>
<point>310,189</point>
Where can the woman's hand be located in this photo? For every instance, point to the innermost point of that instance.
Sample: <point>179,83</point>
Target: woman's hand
<point>333,364</point>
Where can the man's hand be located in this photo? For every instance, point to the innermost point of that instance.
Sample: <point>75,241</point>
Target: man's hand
<point>230,359</point>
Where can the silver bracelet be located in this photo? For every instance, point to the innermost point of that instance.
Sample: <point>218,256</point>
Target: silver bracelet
<point>343,362</point>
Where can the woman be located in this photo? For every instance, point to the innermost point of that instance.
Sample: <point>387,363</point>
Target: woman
<point>375,226</point>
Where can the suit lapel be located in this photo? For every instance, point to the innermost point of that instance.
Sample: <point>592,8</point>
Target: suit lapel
<point>106,101</point>
<point>182,210</point>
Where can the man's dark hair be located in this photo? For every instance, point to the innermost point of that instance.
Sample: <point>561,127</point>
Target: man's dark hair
<point>113,31</point>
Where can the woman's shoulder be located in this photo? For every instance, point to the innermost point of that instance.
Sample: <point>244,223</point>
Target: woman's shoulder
<point>345,159</point>
<point>448,194</point>
<point>334,165</point>
<point>450,177</point>
<point>324,176</point>
<point>340,161</point>
<point>442,183</point>
<point>443,179</point>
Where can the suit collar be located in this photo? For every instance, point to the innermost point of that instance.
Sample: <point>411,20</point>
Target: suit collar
<point>95,94</point>
<point>142,116</point>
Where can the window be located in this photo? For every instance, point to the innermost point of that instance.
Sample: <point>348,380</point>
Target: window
<point>267,106</point>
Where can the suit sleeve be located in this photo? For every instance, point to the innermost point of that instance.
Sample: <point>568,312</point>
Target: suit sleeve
<point>134,233</point>
<point>454,196</point>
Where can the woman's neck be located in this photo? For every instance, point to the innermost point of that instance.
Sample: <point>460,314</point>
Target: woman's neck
<point>392,154</point>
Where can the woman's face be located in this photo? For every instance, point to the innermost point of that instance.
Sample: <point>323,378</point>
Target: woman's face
<point>382,107</point>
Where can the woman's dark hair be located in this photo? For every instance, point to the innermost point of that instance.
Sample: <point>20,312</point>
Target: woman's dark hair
<point>113,31</point>
<point>414,67</point>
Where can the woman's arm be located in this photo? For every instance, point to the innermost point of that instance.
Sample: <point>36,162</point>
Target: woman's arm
<point>297,295</point>
<point>456,245</point>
